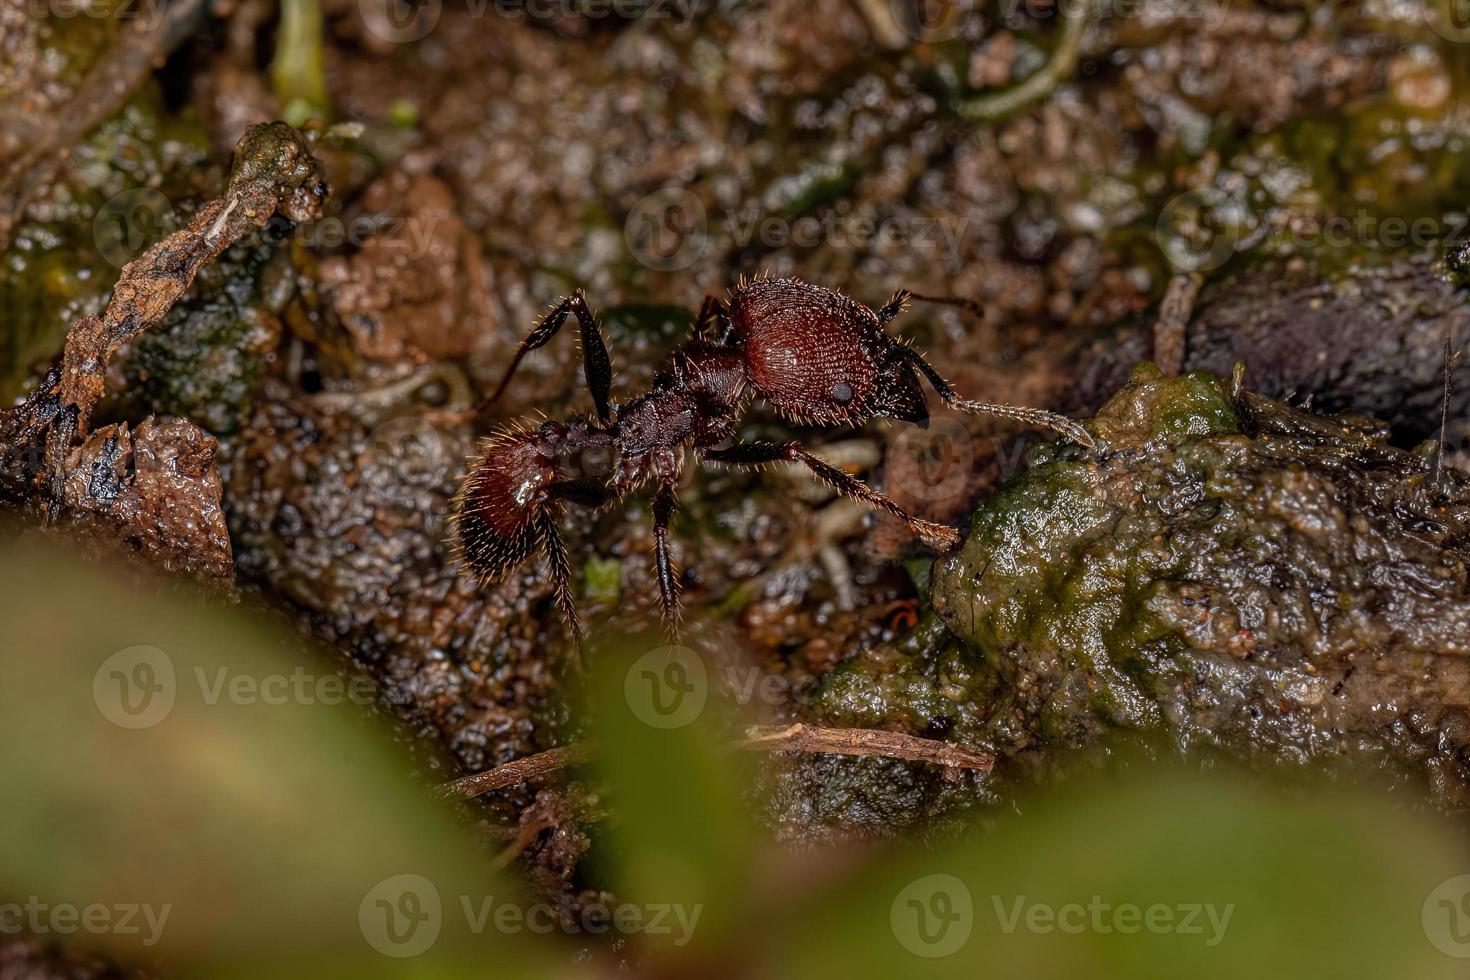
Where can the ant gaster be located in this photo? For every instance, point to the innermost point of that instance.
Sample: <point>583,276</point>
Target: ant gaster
<point>816,356</point>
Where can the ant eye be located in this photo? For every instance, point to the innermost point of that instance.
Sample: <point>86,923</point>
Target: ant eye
<point>842,392</point>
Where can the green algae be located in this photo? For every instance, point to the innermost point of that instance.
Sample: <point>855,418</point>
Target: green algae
<point>126,186</point>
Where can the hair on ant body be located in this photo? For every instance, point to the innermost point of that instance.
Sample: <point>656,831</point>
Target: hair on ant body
<point>816,356</point>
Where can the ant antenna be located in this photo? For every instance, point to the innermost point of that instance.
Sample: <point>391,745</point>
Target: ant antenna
<point>960,301</point>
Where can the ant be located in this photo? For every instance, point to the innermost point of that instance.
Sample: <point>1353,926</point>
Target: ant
<point>816,356</point>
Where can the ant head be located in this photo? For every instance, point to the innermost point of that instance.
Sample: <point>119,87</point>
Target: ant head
<point>819,357</point>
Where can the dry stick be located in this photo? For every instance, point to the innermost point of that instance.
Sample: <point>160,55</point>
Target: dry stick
<point>1172,326</point>
<point>863,741</point>
<point>770,738</point>
<point>273,172</point>
<point>143,44</point>
<point>517,770</point>
<point>984,108</point>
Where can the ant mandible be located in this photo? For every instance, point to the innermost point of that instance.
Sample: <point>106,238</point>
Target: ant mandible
<point>816,356</point>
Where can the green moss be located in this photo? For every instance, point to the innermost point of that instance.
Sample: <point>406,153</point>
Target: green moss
<point>1124,588</point>
<point>206,359</point>
<point>602,578</point>
<point>128,184</point>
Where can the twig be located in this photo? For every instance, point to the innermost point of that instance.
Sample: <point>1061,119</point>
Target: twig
<point>1172,326</point>
<point>273,172</point>
<point>984,108</point>
<point>1451,358</point>
<point>516,771</point>
<point>139,49</point>
<point>863,741</point>
<point>770,738</point>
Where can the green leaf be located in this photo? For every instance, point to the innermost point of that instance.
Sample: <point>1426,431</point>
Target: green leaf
<point>682,841</point>
<point>1138,880</point>
<point>171,756</point>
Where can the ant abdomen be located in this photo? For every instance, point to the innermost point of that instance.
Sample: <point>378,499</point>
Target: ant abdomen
<point>506,496</point>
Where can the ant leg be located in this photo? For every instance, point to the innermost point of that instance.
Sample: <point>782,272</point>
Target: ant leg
<point>900,299</point>
<point>596,365</point>
<point>711,311</point>
<point>561,575</point>
<point>1033,416</point>
<point>940,536</point>
<point>894,306</point>
<point>668,584</point>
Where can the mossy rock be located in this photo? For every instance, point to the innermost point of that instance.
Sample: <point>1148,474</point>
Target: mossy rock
<point>1227,570</point>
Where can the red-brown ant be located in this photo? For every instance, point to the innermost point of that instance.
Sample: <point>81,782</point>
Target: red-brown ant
<point>818,357</point>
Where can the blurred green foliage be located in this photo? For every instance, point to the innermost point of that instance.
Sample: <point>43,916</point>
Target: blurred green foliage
<point>165,750</point>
